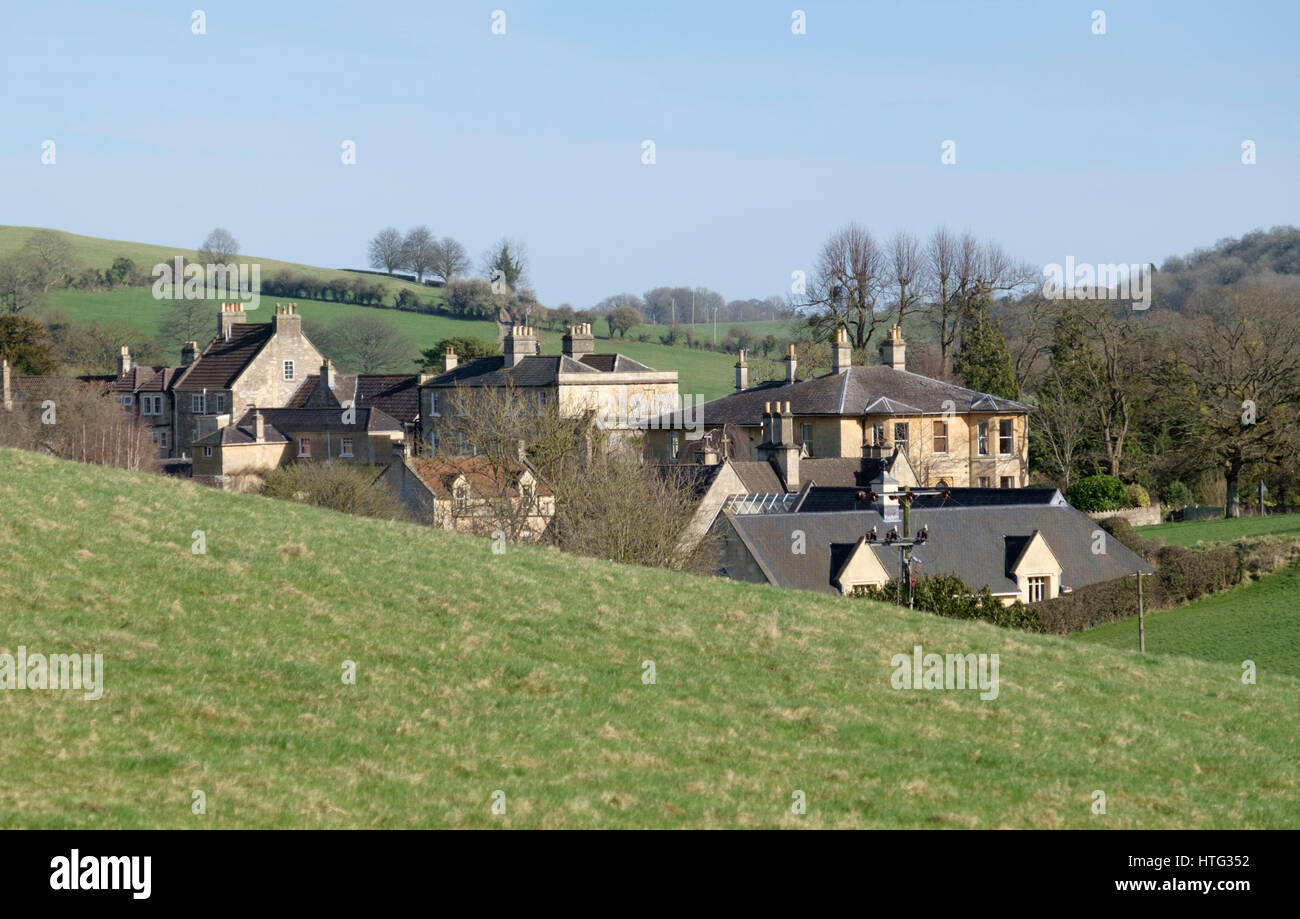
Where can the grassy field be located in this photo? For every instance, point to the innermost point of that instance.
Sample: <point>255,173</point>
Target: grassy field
<point>1223,530</point>
<point>699,372</point>
<point>1259,621</point>
<point>522,673</point>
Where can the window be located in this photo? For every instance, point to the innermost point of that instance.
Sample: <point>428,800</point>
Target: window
<point>1006,437</point>
<point>152,405</point>
<point>433,403</point>
<point>128,400</point>
<point>1037,588</point>
<point>462,443</point>
<point>541,398</point>
<point>984,481</point>
<point>674,444</point>
<point>433,443</point>
<point>288,370</point>
<point>941,437</point>
<point>304,447</point>
<point>805,436</point>
<point>1008,481</point>
<point>218,402</point>
<point>346,449</point>
<point>983,436</point>
<point>207,451</point>
<point>462,498</point>
<point>900,436</point>
<point>198,403</point>
<point>878,434</point>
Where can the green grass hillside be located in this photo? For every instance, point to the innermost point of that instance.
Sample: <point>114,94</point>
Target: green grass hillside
<point>522,673</point>
<point>1191,532</point>
<point>1259,621</point>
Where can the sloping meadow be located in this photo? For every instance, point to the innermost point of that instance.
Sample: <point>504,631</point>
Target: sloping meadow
<point>268,664</point>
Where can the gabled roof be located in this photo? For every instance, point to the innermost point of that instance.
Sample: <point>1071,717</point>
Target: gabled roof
<point>396,395</point>
<point>234,435</point>
<point>614,363</point>
<point>855,392</point>
<point>316,420</point>
<point>977,544</point>
<point>824,499</point>
<point>485,475</point>
<point>223,361</point>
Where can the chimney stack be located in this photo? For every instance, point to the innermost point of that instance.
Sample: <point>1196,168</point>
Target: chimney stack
<point>449,360</point>
<point>578,341</point>
<point>893,350</point>
<point>124,361</point>
<point>189,353</point>
<point>778,446</point>
<point>231,313</point>
<point>327,374</point>
<point>520,343</point>
<point>790,365</point>
<point>259,427</point>
<point>742,372</point>
<point>5,381</point>
<point>285,319</point>
<point>841,353</point>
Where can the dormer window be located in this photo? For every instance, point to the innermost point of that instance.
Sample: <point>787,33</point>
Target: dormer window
<point>1038,588</point>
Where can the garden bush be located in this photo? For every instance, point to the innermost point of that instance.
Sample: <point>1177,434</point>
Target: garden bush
<point>1097,493</point>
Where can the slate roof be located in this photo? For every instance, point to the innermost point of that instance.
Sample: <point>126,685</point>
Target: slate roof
<point>758,477</point>
<point>396,395</point>
<point>823,499</point>
<point>313,420</point>
<point>697,476</point>
<point>857,391</point>
<point>241,433</point>
<point>977,544</point>
<point>223,361</point>
<point>614,363</point>
<point>542,370</point>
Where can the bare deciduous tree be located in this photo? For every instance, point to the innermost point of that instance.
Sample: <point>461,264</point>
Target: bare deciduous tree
<point>450,260</point>
<point>219,248</point>
<point>848,279</point>
<point>421,251</point>
<point>387,250</point>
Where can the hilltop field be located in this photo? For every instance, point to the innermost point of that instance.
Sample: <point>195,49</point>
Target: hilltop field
<point>522,673</point>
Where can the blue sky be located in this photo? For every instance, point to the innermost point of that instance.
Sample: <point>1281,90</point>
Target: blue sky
<point>1123,147</point>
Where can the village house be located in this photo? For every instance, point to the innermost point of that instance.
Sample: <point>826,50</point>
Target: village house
<point>477,495</point>
<point>618,393</point>
<point>949,434</point>
<point>1027,544</point>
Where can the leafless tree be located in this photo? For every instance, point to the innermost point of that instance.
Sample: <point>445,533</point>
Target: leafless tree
<point>1061,427</point>
<point>219,248</point>
<point>421,251</point>
<point>906,264</point>
<point>450,260</point>
<point>387,250</point>
<point>849,277</point>
<point>52,257</point>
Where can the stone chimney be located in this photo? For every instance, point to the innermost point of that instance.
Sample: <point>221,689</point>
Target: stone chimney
<point>521,342</point>
<point>886,488</point>
<point>578,341</point>
<point>742,372</point>
<point>893,350</point>
<point>5,384</point>
<point>790,365</point>
<point>230,314</point>
<point>327,374</point>
<point>841,353</point>
<point>285,320</point>
<point>124,361</point>
<point>449,360</point>
<point>259,427</point>
<point>778,446</point>
<point>189,353</point>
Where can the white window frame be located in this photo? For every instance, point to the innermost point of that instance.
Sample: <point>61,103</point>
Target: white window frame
<point>1011,437</point>
<point>207,451</point>
<point>198,403</point>
<point>288,371</point>
<point>345,446</point>
<point>1039,587</point>
<point>674,444</point>
<point>304,441</point>
<point>433,403</point>
<point>128,400</point>
<point>936,437</point>
<point>218,402</point>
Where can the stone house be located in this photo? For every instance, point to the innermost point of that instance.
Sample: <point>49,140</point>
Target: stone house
<point>621,395</point>
<point>949,434</point>
<point>477,495</point>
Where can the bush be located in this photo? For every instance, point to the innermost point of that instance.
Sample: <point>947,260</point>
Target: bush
<point>1178,495</point>
<point>1124,532</point>
<point>947,595</point>
<point>1137,496</point>
<point>1097,493</point>
<point>338,486</point>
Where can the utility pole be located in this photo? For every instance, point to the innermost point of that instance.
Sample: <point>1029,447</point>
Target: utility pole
<point>715,327</point>
<point>692,306</point>
<point>1142,634</point>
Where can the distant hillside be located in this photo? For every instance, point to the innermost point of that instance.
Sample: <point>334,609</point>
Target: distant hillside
<point>522,673</point>
<point>1265,257</point>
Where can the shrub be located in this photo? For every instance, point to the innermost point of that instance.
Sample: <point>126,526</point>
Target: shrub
<point>1125,532</point>
<point>338,486</point>
<point>1137,496</point>
<point>947,595</point>
<point>1178,495</point>
<point>1097,493</point>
